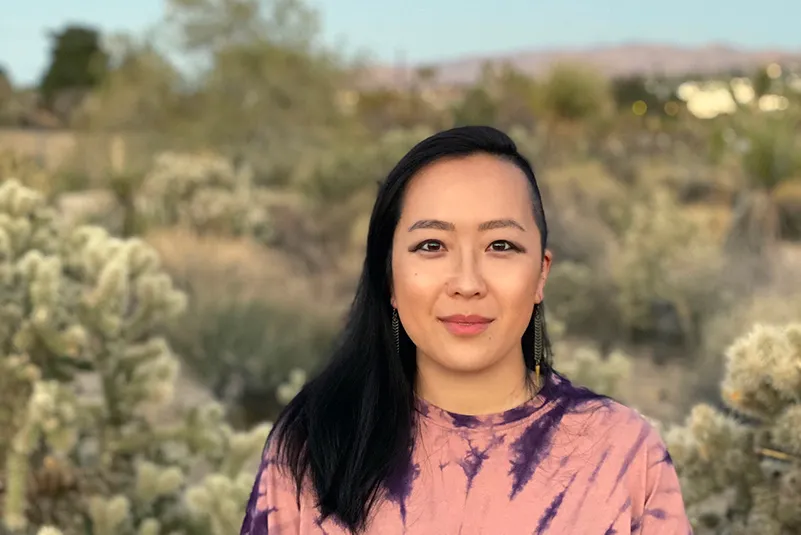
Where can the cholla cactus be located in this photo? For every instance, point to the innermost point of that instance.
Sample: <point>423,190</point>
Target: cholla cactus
<point>28,172</point>
<point>79,305</point>
<point>744,477</point>
<point>206,193</point>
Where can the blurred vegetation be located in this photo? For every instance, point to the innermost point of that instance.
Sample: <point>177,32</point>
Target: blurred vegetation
<point>231,160</point>
<point>78,63</point>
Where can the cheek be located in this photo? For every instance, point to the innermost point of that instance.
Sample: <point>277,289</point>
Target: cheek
<point>415,288</point>
<point>516,289</point>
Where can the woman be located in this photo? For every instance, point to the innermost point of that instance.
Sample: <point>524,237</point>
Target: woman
<point>440,412</point>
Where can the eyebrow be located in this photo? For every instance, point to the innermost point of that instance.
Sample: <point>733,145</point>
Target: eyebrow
<point>436,224</point>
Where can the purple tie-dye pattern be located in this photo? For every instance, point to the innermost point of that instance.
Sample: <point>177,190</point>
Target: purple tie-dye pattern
<point>518,413</point>
<point>256,519</point>
<point>250,510</point>
<point>604,456</point>
<point>464,420</point>
<point>591,481</point>
<point>624,467</point>
<point>577,458</point>
<point>399,487</point>
<point>533,446</point>
<point>662,455</point>
<point>475,457</point>
<point>255,524</point>
<point>623,508</point>
<point>471,464</point>
<point>562,463</point>
<point>549,514</point>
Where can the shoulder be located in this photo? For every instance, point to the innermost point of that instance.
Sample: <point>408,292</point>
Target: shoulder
<point>634,455</point>
<point>603,419</point>
<point>623,429</point>
<point>610,432</point>
<point>275,502</point>
<point>636,470</point>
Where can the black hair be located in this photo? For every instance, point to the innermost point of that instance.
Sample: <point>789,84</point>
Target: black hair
<point>353,426</point>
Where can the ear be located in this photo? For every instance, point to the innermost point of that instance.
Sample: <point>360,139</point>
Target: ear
<point>545,269</point>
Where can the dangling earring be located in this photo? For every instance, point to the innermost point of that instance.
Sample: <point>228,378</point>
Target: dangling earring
<point>538,349</point>
<point>396,330</point>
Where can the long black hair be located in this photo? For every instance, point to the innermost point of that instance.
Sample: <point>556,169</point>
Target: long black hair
<point>353,426</point>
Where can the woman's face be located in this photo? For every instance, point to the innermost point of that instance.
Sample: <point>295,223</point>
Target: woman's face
<point>466,263</point>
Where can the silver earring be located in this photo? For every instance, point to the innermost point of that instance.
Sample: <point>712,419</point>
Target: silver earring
<point>396,330</point>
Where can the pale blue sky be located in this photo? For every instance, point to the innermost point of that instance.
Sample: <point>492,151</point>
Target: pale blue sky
<point>433,29</point>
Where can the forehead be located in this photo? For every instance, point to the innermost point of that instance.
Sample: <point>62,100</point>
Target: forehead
<point>477,187</point>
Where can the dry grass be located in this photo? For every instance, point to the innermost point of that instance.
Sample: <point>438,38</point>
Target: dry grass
<point>216,267</point>
<point>50,148</point>
<point>663,392</point>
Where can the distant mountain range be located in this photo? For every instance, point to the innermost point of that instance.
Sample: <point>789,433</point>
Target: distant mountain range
<point>613,60</point>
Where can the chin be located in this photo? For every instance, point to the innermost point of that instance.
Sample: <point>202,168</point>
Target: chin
<point>465,361</point>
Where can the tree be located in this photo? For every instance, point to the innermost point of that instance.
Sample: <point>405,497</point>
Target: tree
<point>6,88</point>
<point>770,159</point>
<point>6,98</point>
<point>139,92</point>
<point>575,93</point>
<point>476,107</point>
<point>265,92</point>
<point>629,89</point>
<point>77,62</point>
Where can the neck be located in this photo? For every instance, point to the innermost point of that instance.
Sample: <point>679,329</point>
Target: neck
<point>498,388</point>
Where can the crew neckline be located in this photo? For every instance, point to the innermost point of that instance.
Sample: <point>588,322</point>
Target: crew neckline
<point>432,413</point>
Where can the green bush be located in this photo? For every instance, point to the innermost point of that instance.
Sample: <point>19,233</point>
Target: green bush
<point>245,350</point>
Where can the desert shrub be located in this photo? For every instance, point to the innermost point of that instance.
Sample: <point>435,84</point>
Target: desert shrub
<point>656,283</point>
<point>574,92</point>
<point>27,171</point>
<point>204,192</point>
<point>336,174</point>
<point>582,298</point>
<point>245,350</point>
<point>79,307</point>
<point>667,272</point>
<point>740,468</point>
<point>339,185</point>
<point>787,197</point>
<point>253,317</point>
<point>585,366</point>
<point>590,197</point>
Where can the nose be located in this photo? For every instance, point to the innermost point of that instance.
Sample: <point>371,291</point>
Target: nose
<point>467,279</point>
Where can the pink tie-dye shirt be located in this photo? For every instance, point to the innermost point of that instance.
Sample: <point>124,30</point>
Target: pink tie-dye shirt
<point>567,462</point>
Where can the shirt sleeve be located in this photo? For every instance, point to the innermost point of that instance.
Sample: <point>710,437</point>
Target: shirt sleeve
<point>272,506</point>
<point>664,510</point>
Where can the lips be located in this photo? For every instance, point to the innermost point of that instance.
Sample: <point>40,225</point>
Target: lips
<point>462,325</point>
<point>458,318</point>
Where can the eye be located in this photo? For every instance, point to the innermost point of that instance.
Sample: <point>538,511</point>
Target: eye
<point>501,246</point>
<point>430,246</point>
